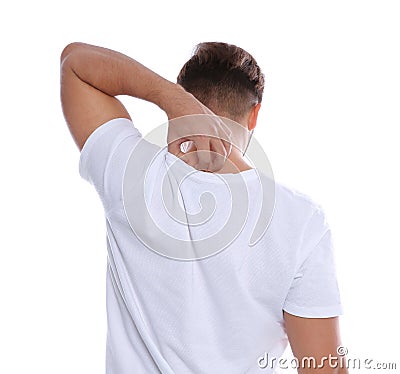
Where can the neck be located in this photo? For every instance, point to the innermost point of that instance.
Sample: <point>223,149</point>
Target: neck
<point>235,163</point>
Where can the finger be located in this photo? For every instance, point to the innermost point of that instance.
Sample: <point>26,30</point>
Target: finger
<point>203,152</point>
<point>191,158</point>
<point>219,155</point>
<point>175,147</point>
<point>228,147</point>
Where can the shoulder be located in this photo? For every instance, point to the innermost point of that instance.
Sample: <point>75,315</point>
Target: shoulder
<point>297,215</point>
<point>292,200</point>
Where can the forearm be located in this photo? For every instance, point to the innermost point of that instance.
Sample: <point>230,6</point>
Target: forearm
<point>117,74</point>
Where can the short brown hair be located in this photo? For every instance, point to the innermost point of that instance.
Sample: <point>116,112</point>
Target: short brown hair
<point>224,77</point>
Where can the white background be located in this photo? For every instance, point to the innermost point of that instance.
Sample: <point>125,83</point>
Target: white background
<point>329,124</point>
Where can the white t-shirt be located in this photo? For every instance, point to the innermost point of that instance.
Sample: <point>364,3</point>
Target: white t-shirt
<point>218,314</point>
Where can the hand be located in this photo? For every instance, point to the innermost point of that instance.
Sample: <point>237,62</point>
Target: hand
<point>196,134</point>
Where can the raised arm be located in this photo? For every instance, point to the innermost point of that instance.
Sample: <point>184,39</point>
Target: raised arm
<point>315,339</point>
<point>92,77</point>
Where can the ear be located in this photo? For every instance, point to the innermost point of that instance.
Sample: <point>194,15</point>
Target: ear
<point>252,119</point>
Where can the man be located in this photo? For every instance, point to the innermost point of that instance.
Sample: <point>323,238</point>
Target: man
<point>231,312</point>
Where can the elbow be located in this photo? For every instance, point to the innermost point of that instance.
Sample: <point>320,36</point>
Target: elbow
<point>69,50</point>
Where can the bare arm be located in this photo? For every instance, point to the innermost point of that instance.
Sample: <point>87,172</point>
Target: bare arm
<point>317,338</point>
<point>92,76</point>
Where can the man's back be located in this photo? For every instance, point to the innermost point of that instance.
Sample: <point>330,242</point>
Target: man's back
<point>216,314</point>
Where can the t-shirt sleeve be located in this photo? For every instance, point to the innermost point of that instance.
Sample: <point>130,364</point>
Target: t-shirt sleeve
<point>104,156</point>
<point>314,292</point>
